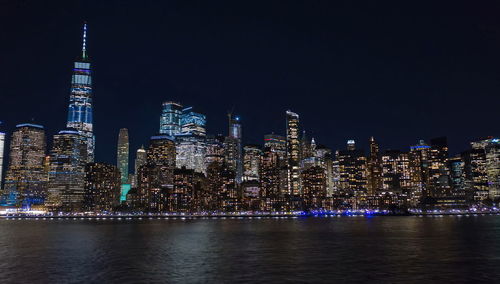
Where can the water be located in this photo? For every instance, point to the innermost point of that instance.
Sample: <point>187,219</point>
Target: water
<point>338,249</point>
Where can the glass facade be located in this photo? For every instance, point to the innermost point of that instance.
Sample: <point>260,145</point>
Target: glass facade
<point>80,102</point>
<point>170,120</point>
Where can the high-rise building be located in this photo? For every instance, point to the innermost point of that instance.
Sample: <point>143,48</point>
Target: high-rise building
<point>314,187</point>
<point>493,170</point>
<point>233,147</point>
<point>190,152</point>
<point>457,177</point>
<point>80,102</point>
<point>396,176</point>
<point>352,169</point>
<point>270,179</point>
<point>293,152</point>
<point>140,159</point>
<point>170,121</point>
<point>276,143</point>
<point>251,162</point>
<point>122,154</point>
<point>67,170</point>
<point>102,187</point>
<point>419,171</point>
<point>192,122</point>
<point>215,149</point>
<point>374,170</point>
<point>2,147</point>
<point>26,179</point>
<point>439,172</point>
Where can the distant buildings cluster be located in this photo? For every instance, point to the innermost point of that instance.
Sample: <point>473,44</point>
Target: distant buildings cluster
<point>183,169</point>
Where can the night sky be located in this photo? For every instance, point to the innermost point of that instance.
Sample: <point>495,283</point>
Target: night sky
<point>399,71</point>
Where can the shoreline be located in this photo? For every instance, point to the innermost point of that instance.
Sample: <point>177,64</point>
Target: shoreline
<point>236,216</point>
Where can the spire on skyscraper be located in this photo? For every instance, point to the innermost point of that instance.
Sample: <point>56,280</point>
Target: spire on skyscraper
<point>84,46</point>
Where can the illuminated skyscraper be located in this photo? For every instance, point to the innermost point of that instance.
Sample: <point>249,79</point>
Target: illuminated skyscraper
<point>352,169</point>
<point>190,152</point>
<point>80,102</point>
<point>233,147</point>
<point>170,121</point>
<point>123,154</point>
<point>102,187</point>
<point>26,180</point>
<point>192,122</point>
<point>276,143</point>
<point>215,150</point>
<point>396,175</point>
<point>373,167</point>
<point>2,147</point>
<point>251,162</point>
<point>140,159</point>
<point>293,152</point>
<point>67,170</point>
<point>439,172</point>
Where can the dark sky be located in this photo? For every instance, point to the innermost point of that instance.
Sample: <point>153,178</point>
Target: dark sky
<point>400,71</point>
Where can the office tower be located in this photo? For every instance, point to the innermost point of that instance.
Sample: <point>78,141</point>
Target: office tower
<point>170,120</point>
<point>122,158</point>
<point>419,171</point>
<point>476,175</point>
<point>438,168</point>
<point>190,152</point>
<point>222,188</point>
<point>102,187</point>
<point>484,164</point>
<point>155,178</point>
<point>161,151</point>
<point>325,159</point>
<point>80,102</point>
<point>251,162</point>
<point>276,143</point>
<point>373,167</point>
<point>67,170</point>
<point>2,147</point>
<point>396,176</point>
<point>457,177</point>
<point>305,147</point>
<point>233,147</point>
<point>352,169</point>
<point>214,149</point>
<point>270,179</point>
<point>192,122</point>
<point>187,186</point>
<point>293,152</point>
<point>140,159</point>
<point>26,179</point>
<point>314,187</point>
<point>122,154</point>
<point>493,170</point>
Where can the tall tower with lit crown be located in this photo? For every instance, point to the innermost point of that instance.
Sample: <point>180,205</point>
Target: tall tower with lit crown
<point>80,102</point>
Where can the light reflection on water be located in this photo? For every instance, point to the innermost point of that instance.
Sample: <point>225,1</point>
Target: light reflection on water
<point>381,249</point>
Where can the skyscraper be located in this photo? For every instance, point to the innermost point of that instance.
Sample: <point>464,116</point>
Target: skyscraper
<point>123,154</point>
<point>251,162</point>
<point>102,187</point>
<point>140,159</point>
<point>2,146</point>
<point>233,146</point>
<point>170,120</point>
<point>67,170</point>
<point>26,180</point>
<point>80,102</point>
<point>293,152</point>
<point>192,122</point>
<point>373,167</point>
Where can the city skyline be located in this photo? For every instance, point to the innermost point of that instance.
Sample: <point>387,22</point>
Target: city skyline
<point>330,115</point>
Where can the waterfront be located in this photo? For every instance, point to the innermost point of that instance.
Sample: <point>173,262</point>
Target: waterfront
<point>380,249</point>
